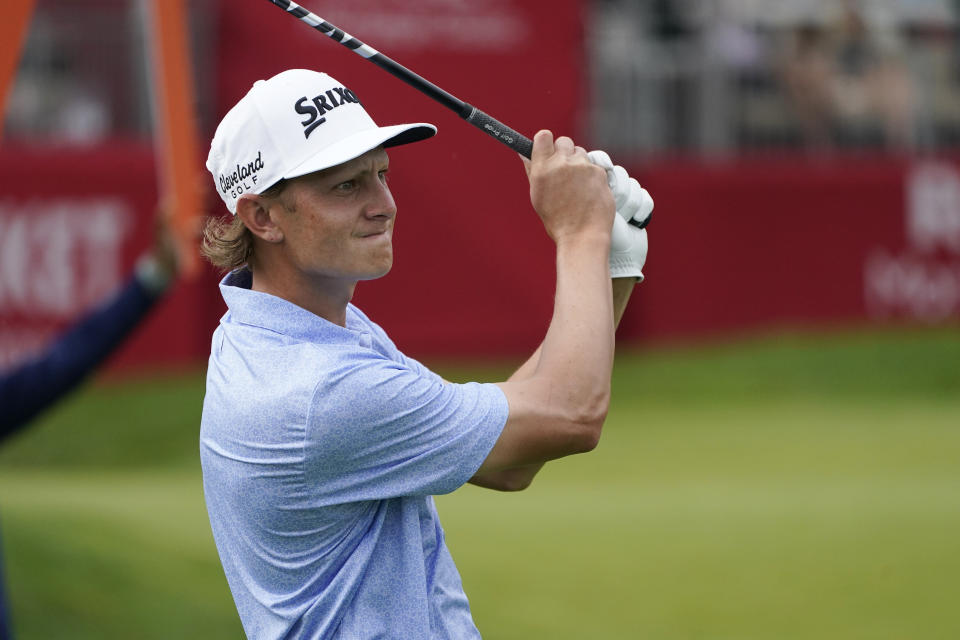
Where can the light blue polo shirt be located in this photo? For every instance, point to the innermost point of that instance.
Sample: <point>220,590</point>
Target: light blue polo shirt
<point>321,447</point>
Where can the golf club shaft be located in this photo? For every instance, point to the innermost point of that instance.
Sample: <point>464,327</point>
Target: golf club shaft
<point>491,126</point>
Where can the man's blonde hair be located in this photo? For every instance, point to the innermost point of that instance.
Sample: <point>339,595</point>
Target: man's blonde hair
<point>227,243</point>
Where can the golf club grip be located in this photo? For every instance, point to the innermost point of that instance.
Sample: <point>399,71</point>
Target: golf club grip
<point>516,141</point>
<point>493,127</point>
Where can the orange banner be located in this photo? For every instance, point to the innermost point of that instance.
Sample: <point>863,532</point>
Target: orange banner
<point>176,128</point>
<point>13,33</point>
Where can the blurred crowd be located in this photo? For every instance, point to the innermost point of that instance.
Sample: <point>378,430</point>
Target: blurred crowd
<point>847,75</point>
<point>694,76</point>
<point>731,75</point>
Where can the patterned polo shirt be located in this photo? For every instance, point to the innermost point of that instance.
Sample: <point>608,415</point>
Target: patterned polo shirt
<point>321,447</point>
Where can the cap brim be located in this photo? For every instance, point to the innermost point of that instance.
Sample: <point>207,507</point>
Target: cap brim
<point>358,144</point>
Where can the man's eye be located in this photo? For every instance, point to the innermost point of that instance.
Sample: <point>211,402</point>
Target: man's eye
<point>383,175</point>
<point>346,186</point>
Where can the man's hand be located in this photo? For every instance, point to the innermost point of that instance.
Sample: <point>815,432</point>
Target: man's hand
<point>628,244</point>
<point>633,202</point>
<point>568,192</point>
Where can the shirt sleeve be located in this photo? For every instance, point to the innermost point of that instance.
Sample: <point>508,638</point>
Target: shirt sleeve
<point>380,429</point>
<point>36,384</point>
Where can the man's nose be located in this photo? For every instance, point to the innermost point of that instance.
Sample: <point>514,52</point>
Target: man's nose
<point>382,204</point>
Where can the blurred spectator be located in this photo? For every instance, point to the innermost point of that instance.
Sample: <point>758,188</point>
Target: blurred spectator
<point>848,83</point>
<point>808,75</point>
<point>669,22</point>
<point>33,386</point>
<point>728,41</point>
<point>61,91</point>
<point>55,104</point>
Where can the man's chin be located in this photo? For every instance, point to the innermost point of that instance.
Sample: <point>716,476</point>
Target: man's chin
<point>379,272</point>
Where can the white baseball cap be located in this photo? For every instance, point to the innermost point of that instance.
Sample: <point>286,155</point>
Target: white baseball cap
<point>295,123</point>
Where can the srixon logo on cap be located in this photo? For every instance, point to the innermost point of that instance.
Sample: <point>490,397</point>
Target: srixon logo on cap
<point>320,104</point>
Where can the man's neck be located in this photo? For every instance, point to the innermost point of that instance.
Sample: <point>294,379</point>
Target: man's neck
<point>324,297</point>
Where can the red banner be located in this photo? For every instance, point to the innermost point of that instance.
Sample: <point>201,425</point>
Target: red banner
<point>733,248</point>
<point>72,223</point>
<point>919,277</point>
<point>790,242</point>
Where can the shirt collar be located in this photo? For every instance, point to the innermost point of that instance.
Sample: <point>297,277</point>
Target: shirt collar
<point>267,311</point>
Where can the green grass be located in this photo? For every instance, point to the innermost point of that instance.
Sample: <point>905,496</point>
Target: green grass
<point>786,487</point>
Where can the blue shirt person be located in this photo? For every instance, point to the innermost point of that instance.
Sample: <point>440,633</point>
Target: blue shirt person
<point>321,443</point>
<point>37,383</point>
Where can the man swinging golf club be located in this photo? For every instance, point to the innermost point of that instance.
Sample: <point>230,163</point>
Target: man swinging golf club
<point>321,443</point>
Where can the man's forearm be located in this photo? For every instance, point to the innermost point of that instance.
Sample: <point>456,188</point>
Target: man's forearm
<point>622,289</point>
<point>520,478</point>
<point>577,352</point>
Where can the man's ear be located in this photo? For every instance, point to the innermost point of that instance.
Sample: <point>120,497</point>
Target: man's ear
<point>254,211</point>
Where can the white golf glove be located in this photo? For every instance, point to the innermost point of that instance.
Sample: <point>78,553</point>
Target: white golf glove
<point>628,250</point>
<point>628,244</point>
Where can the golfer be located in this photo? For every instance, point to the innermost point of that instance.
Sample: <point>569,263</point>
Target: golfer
<point>321,443</point>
